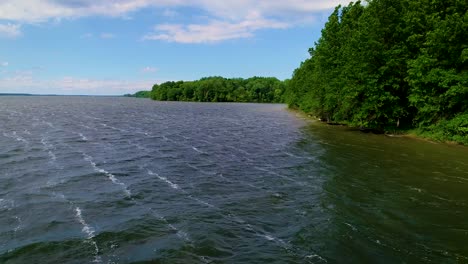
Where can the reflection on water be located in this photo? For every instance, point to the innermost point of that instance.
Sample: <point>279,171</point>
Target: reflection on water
<point>392,200</point>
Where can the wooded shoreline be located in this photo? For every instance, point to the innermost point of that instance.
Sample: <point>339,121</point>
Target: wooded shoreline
<point>393,66</point>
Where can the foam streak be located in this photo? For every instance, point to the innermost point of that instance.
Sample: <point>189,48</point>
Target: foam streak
<point>89,232</point>
<point>109,175</point>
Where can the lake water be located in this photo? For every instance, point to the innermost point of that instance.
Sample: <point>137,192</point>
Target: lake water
<point>124,180</point>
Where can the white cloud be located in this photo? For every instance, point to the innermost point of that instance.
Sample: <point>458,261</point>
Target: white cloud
<point>226,19</point>
<point>10,30</point>
<point>214,31</point>
<point>96,86</point>
<point>25,82</point>
<point>42,10</point>
<point>107,36</point>
<point>149,69</point>
<point>4,64</point>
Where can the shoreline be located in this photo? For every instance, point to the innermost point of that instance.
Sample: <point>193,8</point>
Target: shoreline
<point>411,134</point>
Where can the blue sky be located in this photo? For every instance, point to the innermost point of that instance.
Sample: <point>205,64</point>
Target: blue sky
<point>122,46</point>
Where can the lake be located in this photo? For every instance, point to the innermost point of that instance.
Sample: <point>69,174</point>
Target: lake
<point>125,180</point>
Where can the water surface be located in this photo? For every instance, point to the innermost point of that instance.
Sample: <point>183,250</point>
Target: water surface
<point>124,180</point>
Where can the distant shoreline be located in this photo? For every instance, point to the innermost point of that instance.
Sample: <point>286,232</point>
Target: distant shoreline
<point>87,95</point>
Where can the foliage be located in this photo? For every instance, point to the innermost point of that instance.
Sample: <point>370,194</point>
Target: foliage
<point>455,129</point>
<point>140,94</point>
<point>219,89</point>
<point>390,64</point>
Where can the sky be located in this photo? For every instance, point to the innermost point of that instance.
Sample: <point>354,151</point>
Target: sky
<point>113,47</point>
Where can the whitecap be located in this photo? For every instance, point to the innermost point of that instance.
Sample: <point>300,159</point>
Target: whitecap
<point>416,189</point>
<point>52,155</point>
<point>18,227</point>
<point>83,137</point>
<point>183,236</point>
<point>59,195</point>
<point>202,202</point>
<point>49,124</point>
<point>350,225</point>
<point>92,117</point>
<point>114,128</point>
<point>173,185</point>
<point>48,148</point>
<point>108,174</point>
<point>197,150</point>
<point>16,137</point>
<point>7,204</point>
<point>315,256</point>
<point>297,157</point>
<point>89,232</point>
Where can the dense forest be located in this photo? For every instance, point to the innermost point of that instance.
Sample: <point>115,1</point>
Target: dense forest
<point>219,89</point>
<point>385,65</point>
<point>390,65</point>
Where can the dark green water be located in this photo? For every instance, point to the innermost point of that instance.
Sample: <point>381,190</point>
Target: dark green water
<point>122,180</point>
<point>393,200</point>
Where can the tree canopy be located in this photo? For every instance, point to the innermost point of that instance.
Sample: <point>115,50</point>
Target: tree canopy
<point>140,94</point>
<point>390,64</point>
<point>219,89</point>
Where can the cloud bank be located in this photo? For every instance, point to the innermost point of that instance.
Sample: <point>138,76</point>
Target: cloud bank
<point>43,10</point>
<point>225,19</point>
<point>214,31</point>
<point>10,30</point>
<point>26,82</point>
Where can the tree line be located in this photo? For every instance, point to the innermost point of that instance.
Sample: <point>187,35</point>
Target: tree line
<point>386,65</point>
<point>390,64</point>
<point>140,94</point>
<point>219,89</point>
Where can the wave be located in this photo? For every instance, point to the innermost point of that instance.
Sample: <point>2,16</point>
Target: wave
<point>48,147</point>
<point>197,150</point>
<point>109,175</point>
<point>229,215</point>
<point>173,185</point>
<point>14,135</point>
<point>201,201</point>
<point>83,137</point>
<point>200,170</point>
<point>18,227</point>
<point>92,117</point>
<point>6,204</point>
<point>280,175</point>
<point>89,232</point>
<point>181,234</point>
<point>88,127</point>
<point>48,124</point>
<point>114,128</point>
